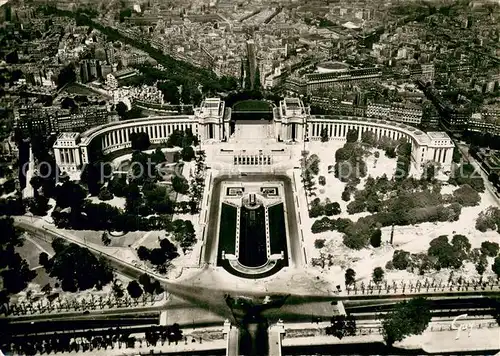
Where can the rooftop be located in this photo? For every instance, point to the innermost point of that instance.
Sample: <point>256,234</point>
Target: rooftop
<point>333,65</point>
<point>68,136</point>
<point>292,103</point>
<point>124,72</point>
<point>438,135</point>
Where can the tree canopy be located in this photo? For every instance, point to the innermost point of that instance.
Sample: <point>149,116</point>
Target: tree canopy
<point>407,318</point>
<point>342,325</point>
<point>89,272</point>
<point>14,270</point>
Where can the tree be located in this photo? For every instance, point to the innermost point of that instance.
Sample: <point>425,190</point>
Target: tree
<point>352,135</point>
<point>466,196</point>
<point>68,103</point>
<point>429,172</point>
<point>43,259</point>
<point>117,290</point>
<point>158,156</point>
<point>350,276</point>
<point>187,153</point>
<point>105,195</point>
<point>118,186</point>
<point>489,248</point>
<point>133,199</point>
<point>70,194</point>
<point>105,239</point>
<point>466,173</point>
<point>89,272</point>
<point>445,253</point>
<point>66,75</point>
<point>46,288</point>
<point>494,178</point>
<point>332,209</point>
<point>139,141</point>
<point>357,235</point>
<point>376,238</point>
<point>378,274</point>
<point>183,233</point>
<point>369,138</point>
<point>188,241</point>
<point>407,318</point>
<point>144,279</point>
<point>39,205</point>
<point>496,266</point>
<point>134,289</point>
<point>180,184</point>
<point>324,135</point>
<point>457,155</point>
<point>401,259</point>
<point>169,249</point>
<point>121,109</point>
<point>157,257</point>
<point>319,243</point>
<point>143,253</point>
<point>92,174</point>
<point>342,325</point>
<point>481,265</point>
<point>16,277</point>
<point>15,271</point>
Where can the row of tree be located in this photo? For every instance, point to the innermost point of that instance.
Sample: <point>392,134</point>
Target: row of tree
<point>406,318</point>
<point>310,168</point>
<point>89,272</point>
<point>443,254</point>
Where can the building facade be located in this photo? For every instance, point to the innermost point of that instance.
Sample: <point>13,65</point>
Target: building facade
<point>292,123</point>
<point>407,113</point>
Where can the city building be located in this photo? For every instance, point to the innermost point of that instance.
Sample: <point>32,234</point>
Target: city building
<point>66,151</point>
<point>427,74</point>
<point>50,120</point>
<point>314,81</point>
<point>115,79</point>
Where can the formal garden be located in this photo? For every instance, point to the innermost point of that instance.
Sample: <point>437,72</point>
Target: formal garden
<point>367,209</point>
<point>252,234</point>
<point>140,218</point>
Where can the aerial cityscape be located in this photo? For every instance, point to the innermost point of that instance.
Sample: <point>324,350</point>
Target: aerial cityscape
<point>242,177</point>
